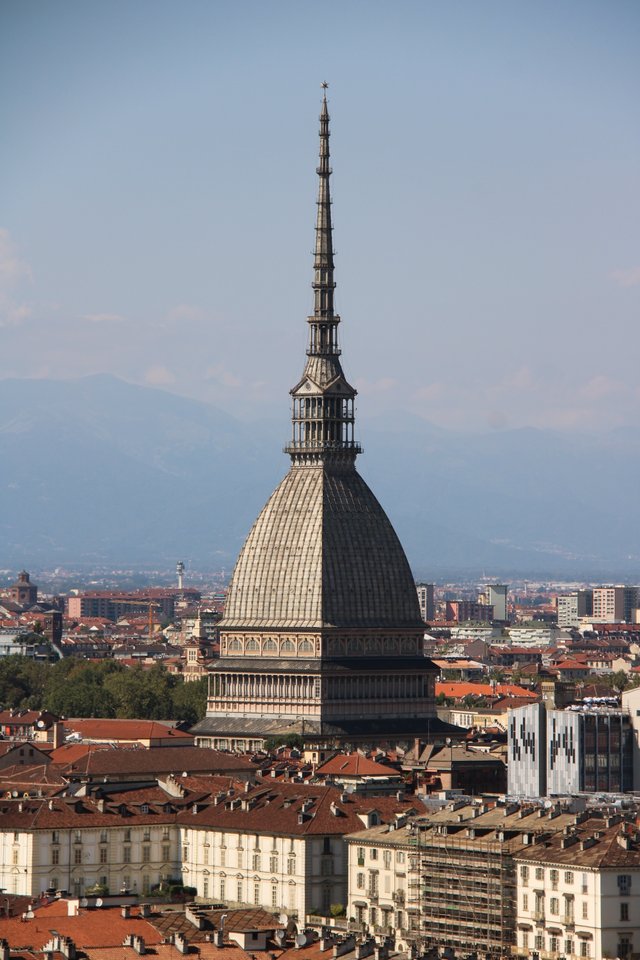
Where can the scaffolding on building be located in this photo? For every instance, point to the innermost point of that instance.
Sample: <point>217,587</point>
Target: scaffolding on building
<point>463,888</point>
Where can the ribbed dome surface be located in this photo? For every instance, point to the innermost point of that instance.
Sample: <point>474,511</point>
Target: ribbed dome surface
<point>322,553</point>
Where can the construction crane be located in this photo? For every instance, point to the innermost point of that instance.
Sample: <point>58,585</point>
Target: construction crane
<point>151,606</point>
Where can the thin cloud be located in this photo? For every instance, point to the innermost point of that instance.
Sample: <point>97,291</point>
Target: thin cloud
<point>372,387</point>
<point>13,314</point>
<point>159,376</point>
<point>12,268</point>
<point>103,318</point>
<point>430,391</point>
<point>601,386</point>
<point>626,278</point>
<point>224,377</point>
<point>13,271</point>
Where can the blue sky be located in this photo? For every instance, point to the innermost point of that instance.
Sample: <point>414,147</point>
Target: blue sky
<point>157,196</point>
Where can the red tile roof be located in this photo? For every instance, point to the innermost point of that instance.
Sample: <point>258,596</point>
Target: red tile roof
<point>104,728</point>
<point>569,665</point>
<point>457,690</point>
<point>91,928</point>
<point>354,764</point>
<point>157,761</point>
<point>280,808</point>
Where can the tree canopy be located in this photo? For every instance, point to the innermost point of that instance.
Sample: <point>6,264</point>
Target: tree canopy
<point>81,688</point>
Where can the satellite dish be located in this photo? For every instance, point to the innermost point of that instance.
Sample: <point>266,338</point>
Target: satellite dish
<point>280,935</point>
<point>40,724</point>
<point>29,915</point>
<point>14,794</point>
<point>283,918</point>
<point>548,804</point>
<point>99,902</point>
<point>84,902</point>
<point>301,940</point>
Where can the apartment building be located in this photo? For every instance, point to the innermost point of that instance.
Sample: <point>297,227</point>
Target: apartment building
<point>614,604</point>
<point>578,893</point>
<point>128,841</point>
<point>497,597</point>
<point>447,880</point>
<point>278,845</point>
<point>573,606</point>
<point>426,599</point>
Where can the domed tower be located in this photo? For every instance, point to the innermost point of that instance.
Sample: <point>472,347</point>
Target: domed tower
<point>322,633</point>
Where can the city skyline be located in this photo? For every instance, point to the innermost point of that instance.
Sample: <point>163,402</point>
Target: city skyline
<point>158,186</point>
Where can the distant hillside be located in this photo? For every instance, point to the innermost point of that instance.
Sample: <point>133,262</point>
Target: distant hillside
<point>100,470</point>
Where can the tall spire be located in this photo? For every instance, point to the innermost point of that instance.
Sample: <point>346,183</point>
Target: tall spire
<point>323,401</point>
<point>323,283</point>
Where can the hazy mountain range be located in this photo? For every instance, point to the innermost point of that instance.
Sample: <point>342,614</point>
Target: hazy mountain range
<point>98,470</point>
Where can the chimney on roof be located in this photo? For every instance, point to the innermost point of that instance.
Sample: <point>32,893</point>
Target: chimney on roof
<point>194,918</point>
<point>145,910</point>
<point>126,911</point>
<point>365,949</point>
<point>181,943</point>
<point>139,945</point>
<point>624,840</point>
<point>58,734</point>
<point>4,950</point>
<point>345,946</point>
<point>65,946</point>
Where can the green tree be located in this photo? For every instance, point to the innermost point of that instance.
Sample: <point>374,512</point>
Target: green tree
<point>190,700</point>
<point>22,682</point>
<point>75,688</point>
<point>290,740</point>
<point>619,680</point>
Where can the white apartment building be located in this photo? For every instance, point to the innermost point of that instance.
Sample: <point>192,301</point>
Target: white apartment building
<point>73,843</point>
<point>572,607</point>
<point>278,845</point>
<point>578,893</point>
<point>426,599</point>
<point>447,879</point>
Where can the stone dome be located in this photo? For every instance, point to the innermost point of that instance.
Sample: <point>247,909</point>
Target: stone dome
<point>322,553</point>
